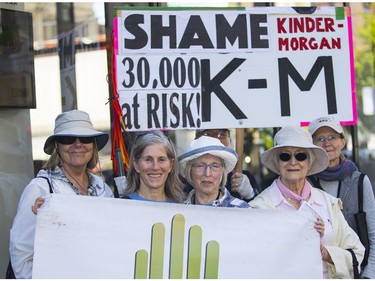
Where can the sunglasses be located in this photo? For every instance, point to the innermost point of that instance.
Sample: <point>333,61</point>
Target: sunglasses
<point>71,140</point>
<point>285,157</point>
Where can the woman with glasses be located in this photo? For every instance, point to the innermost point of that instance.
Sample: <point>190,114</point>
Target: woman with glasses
<point>153,170</point>
<point>293,158</point>
<point>205,166</point>
<point>74,148</point>
<point>340,179</point>
<point>241,185</point>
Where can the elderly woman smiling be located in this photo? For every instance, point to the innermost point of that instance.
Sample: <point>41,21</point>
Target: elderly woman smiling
<point>205,167</point>
<point>294,157</point>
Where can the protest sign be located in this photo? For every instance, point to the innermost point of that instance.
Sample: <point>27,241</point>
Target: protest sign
<point>255,67</point>
<point>94,237</point>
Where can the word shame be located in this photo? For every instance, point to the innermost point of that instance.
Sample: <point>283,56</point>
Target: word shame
<point>196,31</point>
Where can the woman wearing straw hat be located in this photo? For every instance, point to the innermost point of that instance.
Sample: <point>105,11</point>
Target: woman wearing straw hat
<point>74,150</point>
<point>293,158</point>
<point>205,166</point>
<point>153,170</point>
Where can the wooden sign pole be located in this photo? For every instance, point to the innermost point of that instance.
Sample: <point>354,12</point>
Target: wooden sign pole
<point>239,149</point>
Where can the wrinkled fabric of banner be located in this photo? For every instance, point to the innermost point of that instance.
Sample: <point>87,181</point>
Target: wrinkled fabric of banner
<point>92,237</point>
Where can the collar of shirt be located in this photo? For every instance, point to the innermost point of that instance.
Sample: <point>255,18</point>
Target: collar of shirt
<point>278,199</point>
<point>58,174</point>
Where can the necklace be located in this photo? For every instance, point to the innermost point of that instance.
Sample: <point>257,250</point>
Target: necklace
<point>81,187</point>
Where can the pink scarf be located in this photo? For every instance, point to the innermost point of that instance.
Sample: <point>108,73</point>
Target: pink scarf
<point>290,194</point>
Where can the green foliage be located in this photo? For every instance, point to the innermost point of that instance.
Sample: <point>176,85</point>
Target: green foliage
<point>364,50</point>
<point>365,59</point>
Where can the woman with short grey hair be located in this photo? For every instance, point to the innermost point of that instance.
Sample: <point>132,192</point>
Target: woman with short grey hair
<point>205,166</point>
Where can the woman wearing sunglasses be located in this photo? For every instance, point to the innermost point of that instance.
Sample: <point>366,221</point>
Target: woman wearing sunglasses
<point>74,149</point>
<point>293,158</point>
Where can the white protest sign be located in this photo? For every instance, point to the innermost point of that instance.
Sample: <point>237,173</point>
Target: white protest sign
<point>90,237</point>
<point>259,67</point>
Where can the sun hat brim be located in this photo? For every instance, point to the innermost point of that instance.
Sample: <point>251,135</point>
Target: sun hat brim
<point>270,157</point>
<point>74,123</point>
<point>227,154</point>
<point>101,138</point>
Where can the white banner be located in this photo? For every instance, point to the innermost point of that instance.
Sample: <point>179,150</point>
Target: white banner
<point>259,67</point>
<point>90,237</point>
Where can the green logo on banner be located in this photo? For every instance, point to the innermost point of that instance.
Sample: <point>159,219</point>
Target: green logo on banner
<point>176,257</point>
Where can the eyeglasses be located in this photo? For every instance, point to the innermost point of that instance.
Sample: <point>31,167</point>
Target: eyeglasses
<point>71,140</point>
<point>329,138</point>
<point>300,156</point>
<point>201,167</point>
<point>220,134</point>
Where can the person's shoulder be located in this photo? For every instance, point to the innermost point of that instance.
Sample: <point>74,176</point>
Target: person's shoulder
<point>353,179</point>
<point>99,180</point>
<point>354,176</point>
<point>42,178</point>
<point>102,185</point>
<point>42,174</point>
<point>264,198</point>
<point>228,200</point>
<point>37,186</point>
<point>236,202</point>
<point>328,197</point>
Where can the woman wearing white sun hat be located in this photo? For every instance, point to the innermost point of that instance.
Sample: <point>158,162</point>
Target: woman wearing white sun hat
<point>205,166</point>
<point>293,158</point>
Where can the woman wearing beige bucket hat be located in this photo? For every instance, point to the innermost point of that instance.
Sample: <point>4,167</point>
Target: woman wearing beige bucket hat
<point>74,150</point>
<point>205,166</point>
<point>293,158</point>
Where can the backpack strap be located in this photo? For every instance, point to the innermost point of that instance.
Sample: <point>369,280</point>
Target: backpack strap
<point>49,183</point>
<point>355,264</point>
<point>360,193</point>
<point>315,182</point>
